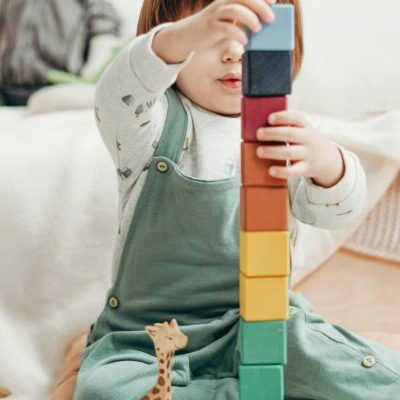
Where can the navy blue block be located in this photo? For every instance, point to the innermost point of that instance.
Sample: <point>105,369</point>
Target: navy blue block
<point>267,73</point>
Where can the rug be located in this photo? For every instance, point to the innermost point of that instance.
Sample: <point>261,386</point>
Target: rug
<point>379,234</point>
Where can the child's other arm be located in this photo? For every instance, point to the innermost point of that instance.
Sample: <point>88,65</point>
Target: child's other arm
<point>128,113</point>
<point>331,208</point>
<point>327,184</point>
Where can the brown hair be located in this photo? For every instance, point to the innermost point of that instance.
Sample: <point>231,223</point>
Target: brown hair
<point>156,12</point>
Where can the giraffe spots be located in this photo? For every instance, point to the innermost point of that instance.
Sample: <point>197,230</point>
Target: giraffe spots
<point>158,349</point>
<point>161,361</point>
<point>146,397</point>
<point>168,375</point>
<point>168,388</point>
<point>158,398</point>
<point>161,381</point>
<point>168,364</point>
<point>155,390</point>
<point>162,371</point>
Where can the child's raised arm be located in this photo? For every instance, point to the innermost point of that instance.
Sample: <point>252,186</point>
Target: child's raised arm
<point>128,113</point>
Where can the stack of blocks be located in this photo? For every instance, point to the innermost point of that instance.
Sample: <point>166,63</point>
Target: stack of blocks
<point>264,236</point>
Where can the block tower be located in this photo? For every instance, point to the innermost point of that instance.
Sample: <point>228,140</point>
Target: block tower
<point>264,236</point>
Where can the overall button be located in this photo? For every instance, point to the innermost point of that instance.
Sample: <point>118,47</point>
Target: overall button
<point>113,302</point>
<point>162,166</point>
<point>368,361</point>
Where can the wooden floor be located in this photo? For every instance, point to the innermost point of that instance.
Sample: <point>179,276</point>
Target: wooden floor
<point>357,292</point>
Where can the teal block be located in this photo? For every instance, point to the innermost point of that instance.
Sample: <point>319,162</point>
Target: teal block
<point>263,342</point>
<point>278,35</point>
<point>261,382</point>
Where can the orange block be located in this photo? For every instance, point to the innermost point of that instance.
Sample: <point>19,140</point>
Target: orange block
<point>255,169</point>
<point>264,208</point>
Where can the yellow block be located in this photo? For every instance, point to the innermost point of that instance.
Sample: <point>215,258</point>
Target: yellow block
<point>264,299</point>
<point>264,253</point>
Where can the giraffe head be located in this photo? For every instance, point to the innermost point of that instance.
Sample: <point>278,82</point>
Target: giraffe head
<point>167,336</point>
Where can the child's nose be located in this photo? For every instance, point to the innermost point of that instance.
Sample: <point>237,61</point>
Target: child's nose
<point>233,52</point>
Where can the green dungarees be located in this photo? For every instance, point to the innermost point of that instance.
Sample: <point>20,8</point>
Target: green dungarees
<point>180,260</point>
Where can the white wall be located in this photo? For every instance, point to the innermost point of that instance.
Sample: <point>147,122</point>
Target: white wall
<point>352,56</point>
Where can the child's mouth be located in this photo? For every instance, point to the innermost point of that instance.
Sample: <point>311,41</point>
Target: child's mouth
<point>231,83</point>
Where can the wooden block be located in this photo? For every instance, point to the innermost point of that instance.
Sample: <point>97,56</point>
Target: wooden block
<point>264,299</point>
<point>263,342</point>
<point>255,114</point>
<point>264,209</point>
<point>261,382</point>
<point>277,35</point>
<point>255,170</point>
<point>264,253</point>
<point>267,73</point>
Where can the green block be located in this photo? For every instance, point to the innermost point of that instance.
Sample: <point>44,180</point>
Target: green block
<point>261,382</point>
<point>263,342</point>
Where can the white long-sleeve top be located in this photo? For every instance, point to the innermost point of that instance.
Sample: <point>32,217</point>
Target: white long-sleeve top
<point>130,110</point>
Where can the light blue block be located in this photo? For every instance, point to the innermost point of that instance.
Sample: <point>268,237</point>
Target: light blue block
<point>279,35</point>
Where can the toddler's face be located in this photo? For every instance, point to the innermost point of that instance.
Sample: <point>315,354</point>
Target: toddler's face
<point>213,78</point>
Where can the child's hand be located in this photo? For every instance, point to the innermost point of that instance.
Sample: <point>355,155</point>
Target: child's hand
<point>215,22</point>
<point>311,154</point>
<point>220,20</point>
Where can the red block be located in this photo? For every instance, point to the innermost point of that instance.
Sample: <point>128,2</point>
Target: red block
<point>255,169</point>
<point>255,113</point>
<point>264,209</point>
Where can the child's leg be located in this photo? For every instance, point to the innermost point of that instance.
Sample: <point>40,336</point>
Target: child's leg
<point>66,382</point>
<point>129,376</point>
<point>327,362</point>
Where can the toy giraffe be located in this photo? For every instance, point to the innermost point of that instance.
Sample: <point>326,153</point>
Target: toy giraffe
<point>4,392</point>
<point>167,339</point>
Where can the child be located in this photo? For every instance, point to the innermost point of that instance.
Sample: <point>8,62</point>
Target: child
<point>168,109</point>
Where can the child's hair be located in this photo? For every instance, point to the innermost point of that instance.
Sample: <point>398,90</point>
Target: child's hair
<point>156,12</point>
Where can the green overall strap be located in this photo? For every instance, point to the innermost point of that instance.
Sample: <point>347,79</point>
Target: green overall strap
<point>174,132</point>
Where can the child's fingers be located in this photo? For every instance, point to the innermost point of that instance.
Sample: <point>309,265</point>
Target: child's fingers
<point>295,152</point>
<point>282,134</point>
<point>260,7</point>
<point>241,14</point>
<point>234,32</point>
<point>294,118</point>
<point>295,170</point>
